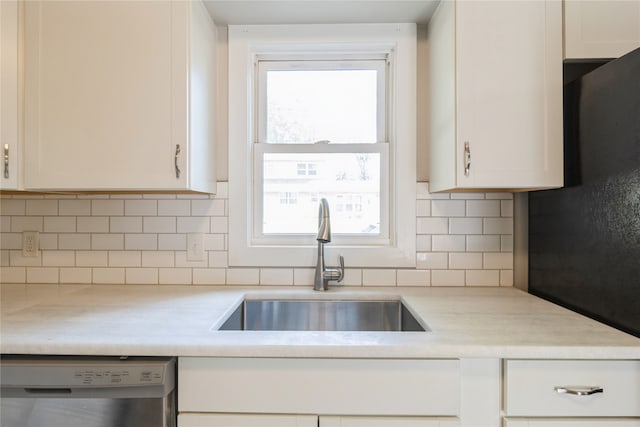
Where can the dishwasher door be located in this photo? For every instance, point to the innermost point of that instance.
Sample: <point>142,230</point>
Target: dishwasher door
<point>83,392</point>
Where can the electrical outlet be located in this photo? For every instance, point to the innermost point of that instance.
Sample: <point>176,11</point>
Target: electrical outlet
<point>195,247</point>
<point>30,243</point>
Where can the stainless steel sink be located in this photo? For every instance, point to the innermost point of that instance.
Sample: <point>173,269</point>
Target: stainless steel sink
<point>322,315</point>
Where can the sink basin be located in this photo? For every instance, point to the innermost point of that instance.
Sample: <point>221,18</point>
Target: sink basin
<point>322,315</point>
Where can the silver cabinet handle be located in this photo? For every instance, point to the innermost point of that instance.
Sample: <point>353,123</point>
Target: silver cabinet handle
<point>579,390</point>
<point>467,159</point>
<point>6,161</point>
<point>176,161</point>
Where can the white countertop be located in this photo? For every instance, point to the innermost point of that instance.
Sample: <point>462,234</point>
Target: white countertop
<point>180,320</point>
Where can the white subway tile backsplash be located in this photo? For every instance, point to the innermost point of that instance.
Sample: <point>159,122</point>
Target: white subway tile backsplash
<point>92,258</point>
<point>141,276</point>
<point>193,224</point>
<point>172,242</point>
<point>352,277</point>
<point>26,223</point>
<point>208,207</point>
<point>114,276</point>
<point>125,259</point>
<point>483,278</point>
<point>174,207</point>
<point>74,207</point>
<point>42,207</point>
<point>17,260</point>
<point>465,226</point>
<point>13,207</point>
<point>243,276</point>
<point>209,276</point>
<point>107,241</point>
<point>13,275</point>
<point>107,207</point>
<point>276,276</point>
<point>432,225</point>
<point>303,276</point>
<point>142,242</point>
<point>164,259</point>
<point>11,241</point>
<point>60,224</point>
<point>75,275</point>
<point>447,278</point>
<point>498,226</point>
<point>448,208</point>
<point>414,278</point>
<point>465,260</point>
<point>48,241</point>
<point>483,208</point>
<point>462,239</point>
<point>432,260</point>
<point>214,242</point>
<point>42,275</point>
<point>218,259</point>
<point>152,224</point>
<point>506,277</point>
<point>175,276</point>
<point>500,260</point>
<point>448,243</point>
<point>378,277</point>
<point>483,243</point>
<point>92,224</point>
<point>219,224</point>
<point>141,207</point>
<point>73,241</point>
<point>125,224</point>
<point>58,258</point>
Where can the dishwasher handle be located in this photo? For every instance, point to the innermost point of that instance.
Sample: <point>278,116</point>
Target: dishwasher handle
<point>151,391</point>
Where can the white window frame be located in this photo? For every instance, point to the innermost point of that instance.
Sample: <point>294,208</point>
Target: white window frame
<point>249,42</point>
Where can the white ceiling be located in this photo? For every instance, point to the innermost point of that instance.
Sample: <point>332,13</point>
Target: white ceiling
<point>225,12</point>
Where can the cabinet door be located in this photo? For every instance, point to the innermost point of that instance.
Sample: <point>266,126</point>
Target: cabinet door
<point>337,421</point>
<point>582,422</point>
<point>243,420</point>
<point>509,94</point>
<point>105,94</point>
<point>9,92</point>
<point>600,29</point>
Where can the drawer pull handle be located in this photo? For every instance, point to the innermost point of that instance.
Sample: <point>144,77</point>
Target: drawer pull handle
<point>579,390</point>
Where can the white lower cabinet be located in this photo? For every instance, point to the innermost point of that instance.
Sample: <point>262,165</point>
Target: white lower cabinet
<point>571,393</point>
<point>248,420</point>
<point>583,422</point>
<point>265,392</point>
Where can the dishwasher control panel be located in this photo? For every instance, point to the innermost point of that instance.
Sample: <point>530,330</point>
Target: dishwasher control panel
<point>95,373</point>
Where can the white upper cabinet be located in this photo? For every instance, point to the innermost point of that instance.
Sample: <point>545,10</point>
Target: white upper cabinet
<point>600,29</point>
<point>496,95</point>
<point>9,96</point>
<point>119,95</point>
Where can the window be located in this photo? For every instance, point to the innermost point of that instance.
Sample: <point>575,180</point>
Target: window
<point>322,111</point>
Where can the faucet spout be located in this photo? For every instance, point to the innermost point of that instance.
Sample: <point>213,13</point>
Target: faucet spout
<point>324,222</point>
<point>324,274</point>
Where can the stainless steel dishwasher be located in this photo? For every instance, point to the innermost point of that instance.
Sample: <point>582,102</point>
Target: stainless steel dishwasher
<point>87,391</point>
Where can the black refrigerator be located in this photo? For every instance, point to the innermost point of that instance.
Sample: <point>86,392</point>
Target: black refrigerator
<point>584,239</point>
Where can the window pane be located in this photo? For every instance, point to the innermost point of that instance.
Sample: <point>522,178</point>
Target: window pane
<point>349,181</point>
<point>306,106</point>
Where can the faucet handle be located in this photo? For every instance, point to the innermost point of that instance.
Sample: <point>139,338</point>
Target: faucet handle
<point>341,269</point>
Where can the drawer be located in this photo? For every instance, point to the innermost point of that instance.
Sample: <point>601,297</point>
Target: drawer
<point>319,386</point>
<point>531,388</point>
<point>582,422</point>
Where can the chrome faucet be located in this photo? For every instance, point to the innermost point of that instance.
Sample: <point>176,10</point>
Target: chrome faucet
<point>325,274</point>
